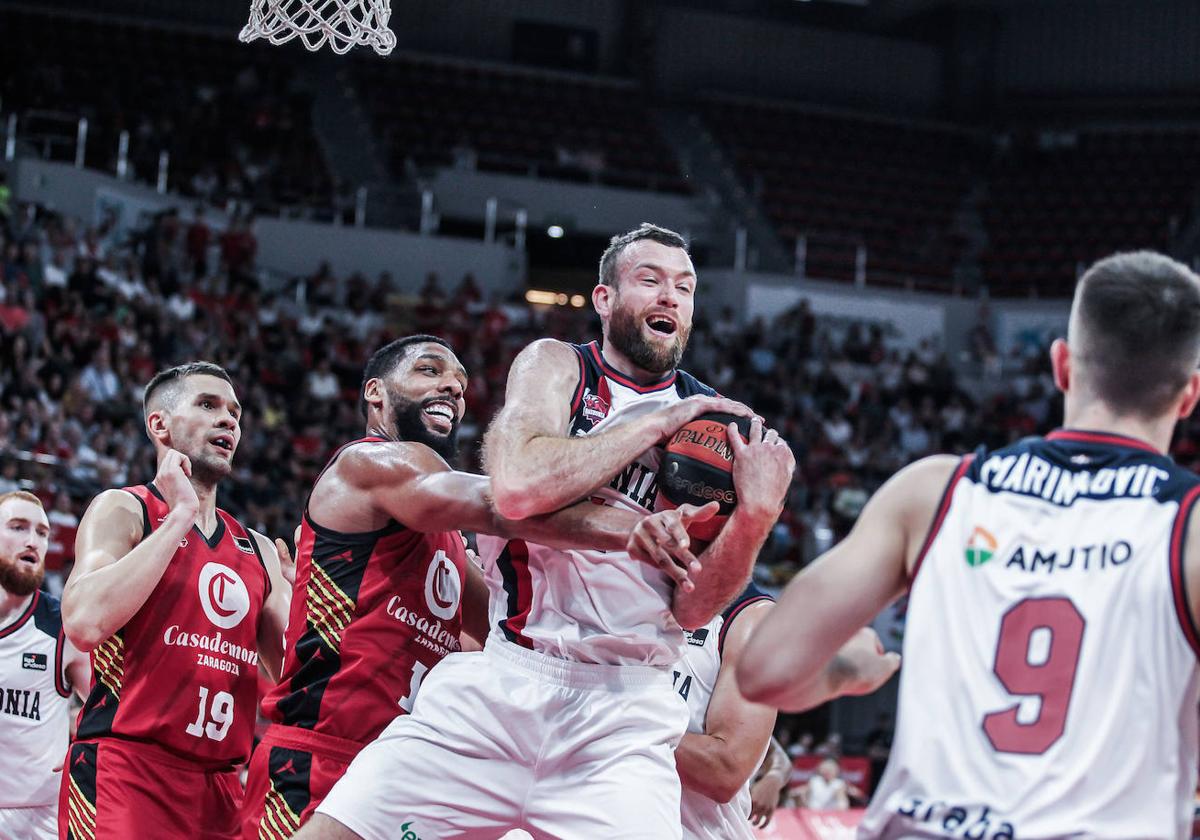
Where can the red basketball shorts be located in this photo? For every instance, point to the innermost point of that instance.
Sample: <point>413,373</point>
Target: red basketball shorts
<point>291,772</point>
<point>112,788</point>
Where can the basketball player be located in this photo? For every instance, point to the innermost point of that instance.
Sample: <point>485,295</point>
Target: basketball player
<point>565,724</point>
<point>38,670</point>
<point>383,583</point>
<point>728,736</point>
<point>179,605</point>
<point>1050,687</point>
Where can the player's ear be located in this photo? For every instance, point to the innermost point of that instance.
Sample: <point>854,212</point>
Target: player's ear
<point>373,392</point>
<point>1191,395</point>
<point>156,426</point>
<point>1060,363</point>
<point>602,296</point>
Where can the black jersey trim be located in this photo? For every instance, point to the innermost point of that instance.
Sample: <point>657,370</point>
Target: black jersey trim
<point>582,386</point>
<point>218,532</point>
<point>60,681</point>
<point>622,379</point>
<point>23,617</point>
<point>261,561</point>
<point>734,613</point>
<point>145,509</point>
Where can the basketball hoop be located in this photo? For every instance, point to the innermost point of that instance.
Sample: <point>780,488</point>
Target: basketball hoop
<point>342,24</point>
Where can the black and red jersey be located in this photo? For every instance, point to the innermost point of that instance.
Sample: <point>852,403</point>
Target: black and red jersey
<point>371,614</point>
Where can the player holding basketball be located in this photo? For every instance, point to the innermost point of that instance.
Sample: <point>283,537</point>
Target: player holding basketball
<point>178,605</point>
<point>383,585</point>
<point>38,670</point>
<point>1050,687</point>
<point>565,724</point>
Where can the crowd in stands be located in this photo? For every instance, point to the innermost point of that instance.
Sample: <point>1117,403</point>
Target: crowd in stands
<point>87,314</point>
<point>227,113</point>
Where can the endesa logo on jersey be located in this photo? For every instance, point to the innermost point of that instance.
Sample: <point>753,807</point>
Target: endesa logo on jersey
<point>223,595</point>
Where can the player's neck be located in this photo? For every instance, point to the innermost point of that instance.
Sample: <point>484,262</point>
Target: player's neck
<point>621,362</point>
<point>11,606</point>
<point>1096,417</point>
<point>206,517</point>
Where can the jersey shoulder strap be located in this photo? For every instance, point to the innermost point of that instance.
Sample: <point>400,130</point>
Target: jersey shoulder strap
<point>750,595</point>
<point>47,617</point>
<point>592,399</point>
<point>689,386</point>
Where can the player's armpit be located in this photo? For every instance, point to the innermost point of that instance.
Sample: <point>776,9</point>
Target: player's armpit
<point>272,626</point>
<point>844,589</point>
<point>1191,566</point>
<point>736,732</point>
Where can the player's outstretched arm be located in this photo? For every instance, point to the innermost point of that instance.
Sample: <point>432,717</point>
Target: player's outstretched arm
<point>762,472</point>
<point>272,626</point>
<point>414,486</point>
<point>722,759</point>
<point>115,569</point>
<point>787,662</point>
<point>535,466</point>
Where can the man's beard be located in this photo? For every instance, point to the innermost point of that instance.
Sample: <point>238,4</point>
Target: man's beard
<point>209,470</point>
<point>409,426</point>
<point>15,579</point>
<point>625,333</point>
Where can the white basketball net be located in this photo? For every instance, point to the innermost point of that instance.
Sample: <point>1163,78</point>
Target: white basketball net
<point>342,24</point>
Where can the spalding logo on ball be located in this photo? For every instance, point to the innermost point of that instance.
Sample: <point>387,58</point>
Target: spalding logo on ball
<point>698,469</point>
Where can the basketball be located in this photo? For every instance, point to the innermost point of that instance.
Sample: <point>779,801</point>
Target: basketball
<point>698,469</point>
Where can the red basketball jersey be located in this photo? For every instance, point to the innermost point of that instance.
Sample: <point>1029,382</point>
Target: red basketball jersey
<point>371,614</point>
<point>183,672</point>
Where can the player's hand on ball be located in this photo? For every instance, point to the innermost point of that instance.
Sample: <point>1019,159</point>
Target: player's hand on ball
<point>863,664</point>
<point>762,469</point>
<point>172,480</point>
<point>689,409</point>
<point>661,539</point>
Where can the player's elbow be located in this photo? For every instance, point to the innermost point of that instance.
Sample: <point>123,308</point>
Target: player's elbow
<point>516,499</point>
<point>758,684</point>
<point>721,783</point>
<point>84,634</point>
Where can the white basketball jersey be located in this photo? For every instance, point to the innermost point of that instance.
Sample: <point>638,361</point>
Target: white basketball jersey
<point>594,606</point>
<point>1049,687</point>
<point>34,705</point>
<point>694,678</point>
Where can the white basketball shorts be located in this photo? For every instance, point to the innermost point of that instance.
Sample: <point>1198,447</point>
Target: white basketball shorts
<point>39,822</point>
<point>506,738</point>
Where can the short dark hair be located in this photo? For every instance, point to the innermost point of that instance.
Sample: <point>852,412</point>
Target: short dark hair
<point>618,244</point>
<point>1138,315</point>
<point>386,358</point>
<point>172,376</point>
